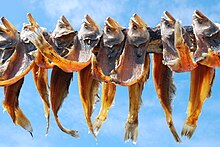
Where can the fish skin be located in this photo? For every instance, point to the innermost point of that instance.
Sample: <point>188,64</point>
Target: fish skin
<point>14,59</point>
<point>106,54</point>
<point>131,66</point>
<point>34,34</point>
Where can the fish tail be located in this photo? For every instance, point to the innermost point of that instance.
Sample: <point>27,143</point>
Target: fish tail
<point>73,133</point>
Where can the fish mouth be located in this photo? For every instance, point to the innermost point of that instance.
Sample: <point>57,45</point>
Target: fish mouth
<point>109,22</point>
<point>199,15</point>
<point>88,21</point>
<point>169,18</point>
<point>63,28</point>
<point>66,23</point>
<point>8,28</point>
<point>136,20</point>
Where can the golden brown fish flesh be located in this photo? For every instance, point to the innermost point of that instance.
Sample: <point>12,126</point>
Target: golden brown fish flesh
<point>135,101</point>
<point>69,64</point>
<point>104,60</point>
<point>206,54</point>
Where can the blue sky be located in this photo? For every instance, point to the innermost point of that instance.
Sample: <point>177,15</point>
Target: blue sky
<point>153,130</point>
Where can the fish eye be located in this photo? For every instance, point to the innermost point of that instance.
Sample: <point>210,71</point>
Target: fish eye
<point>87,42</point>
<point>108,30</point>
<point>199,21</point>
<point>85,26</point>
<point>135,27</point>
<point>167,24</point>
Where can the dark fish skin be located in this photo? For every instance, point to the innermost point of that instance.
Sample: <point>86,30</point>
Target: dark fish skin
<point>15,58</point>
<point>110,48</point>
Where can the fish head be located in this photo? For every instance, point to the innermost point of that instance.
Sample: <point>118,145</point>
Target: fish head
<point>137,31</point>
<point>202,24</point>
<point>8,34</point>
<point>89,33</point>
<point>207,36</point>
<point>89,29</point>
<point>63,34</point>
<point>167,24</point>
<point>113,34</point>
